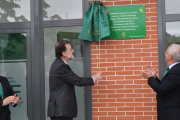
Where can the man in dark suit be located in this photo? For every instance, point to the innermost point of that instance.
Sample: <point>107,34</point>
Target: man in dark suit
<point>62,100</point>
<point>168,88</point>
<point>7,95</point>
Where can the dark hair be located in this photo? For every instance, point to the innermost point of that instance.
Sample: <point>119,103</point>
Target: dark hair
<point>60,47</point>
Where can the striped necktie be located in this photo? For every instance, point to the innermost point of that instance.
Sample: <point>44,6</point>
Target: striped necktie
<point>1,92</point>
<point>167,69</point>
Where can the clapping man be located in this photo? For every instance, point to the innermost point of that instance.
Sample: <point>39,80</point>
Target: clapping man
<point>168,88</point>
<point>7,96</point>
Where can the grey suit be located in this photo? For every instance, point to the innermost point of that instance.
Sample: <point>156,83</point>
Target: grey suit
<point>62,100</point>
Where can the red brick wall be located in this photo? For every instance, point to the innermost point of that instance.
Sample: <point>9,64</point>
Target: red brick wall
<point>123,94</point>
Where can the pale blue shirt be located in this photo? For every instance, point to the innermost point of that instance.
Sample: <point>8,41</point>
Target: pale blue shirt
<point>172,65</point>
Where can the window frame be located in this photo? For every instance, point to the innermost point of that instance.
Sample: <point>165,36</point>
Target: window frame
<point>87,54</point>
<point>162,19</point>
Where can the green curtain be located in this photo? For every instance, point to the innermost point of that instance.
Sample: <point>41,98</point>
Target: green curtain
<point>94,18</point>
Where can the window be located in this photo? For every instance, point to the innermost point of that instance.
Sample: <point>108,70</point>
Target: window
<point>172,33</point>
<point>168,28</point>
<point>13,62</point>
<point>51,36</point>
<point>62,9</point>
<point>172,7</point>
<point>14,11</point>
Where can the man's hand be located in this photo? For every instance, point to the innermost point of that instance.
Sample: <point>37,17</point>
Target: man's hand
<point>97,77</point>
<point>151,71</point>
<point>145,75</point>
<point>16,99</point>
<point>8,100</point>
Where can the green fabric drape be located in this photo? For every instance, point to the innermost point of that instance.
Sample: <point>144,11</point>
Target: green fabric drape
<point>95,23</point>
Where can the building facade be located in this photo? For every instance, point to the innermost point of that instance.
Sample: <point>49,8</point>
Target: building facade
<point>29,30</point>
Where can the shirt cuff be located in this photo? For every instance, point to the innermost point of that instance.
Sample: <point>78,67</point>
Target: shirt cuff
<point>93,79</point>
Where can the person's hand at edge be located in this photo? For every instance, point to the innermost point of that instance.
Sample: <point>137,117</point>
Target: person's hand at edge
<point>8,100</point>
<point>16,99</point>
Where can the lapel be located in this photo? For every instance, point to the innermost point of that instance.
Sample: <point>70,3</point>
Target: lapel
<point>169,72</point>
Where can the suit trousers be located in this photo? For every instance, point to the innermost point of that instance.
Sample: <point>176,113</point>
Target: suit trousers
<point>61,118</point>
<point>8,117</point>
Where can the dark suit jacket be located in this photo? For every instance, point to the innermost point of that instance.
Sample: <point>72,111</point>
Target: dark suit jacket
<point>4,110</point>
<point>62,100</point>
<point>168,94</point>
